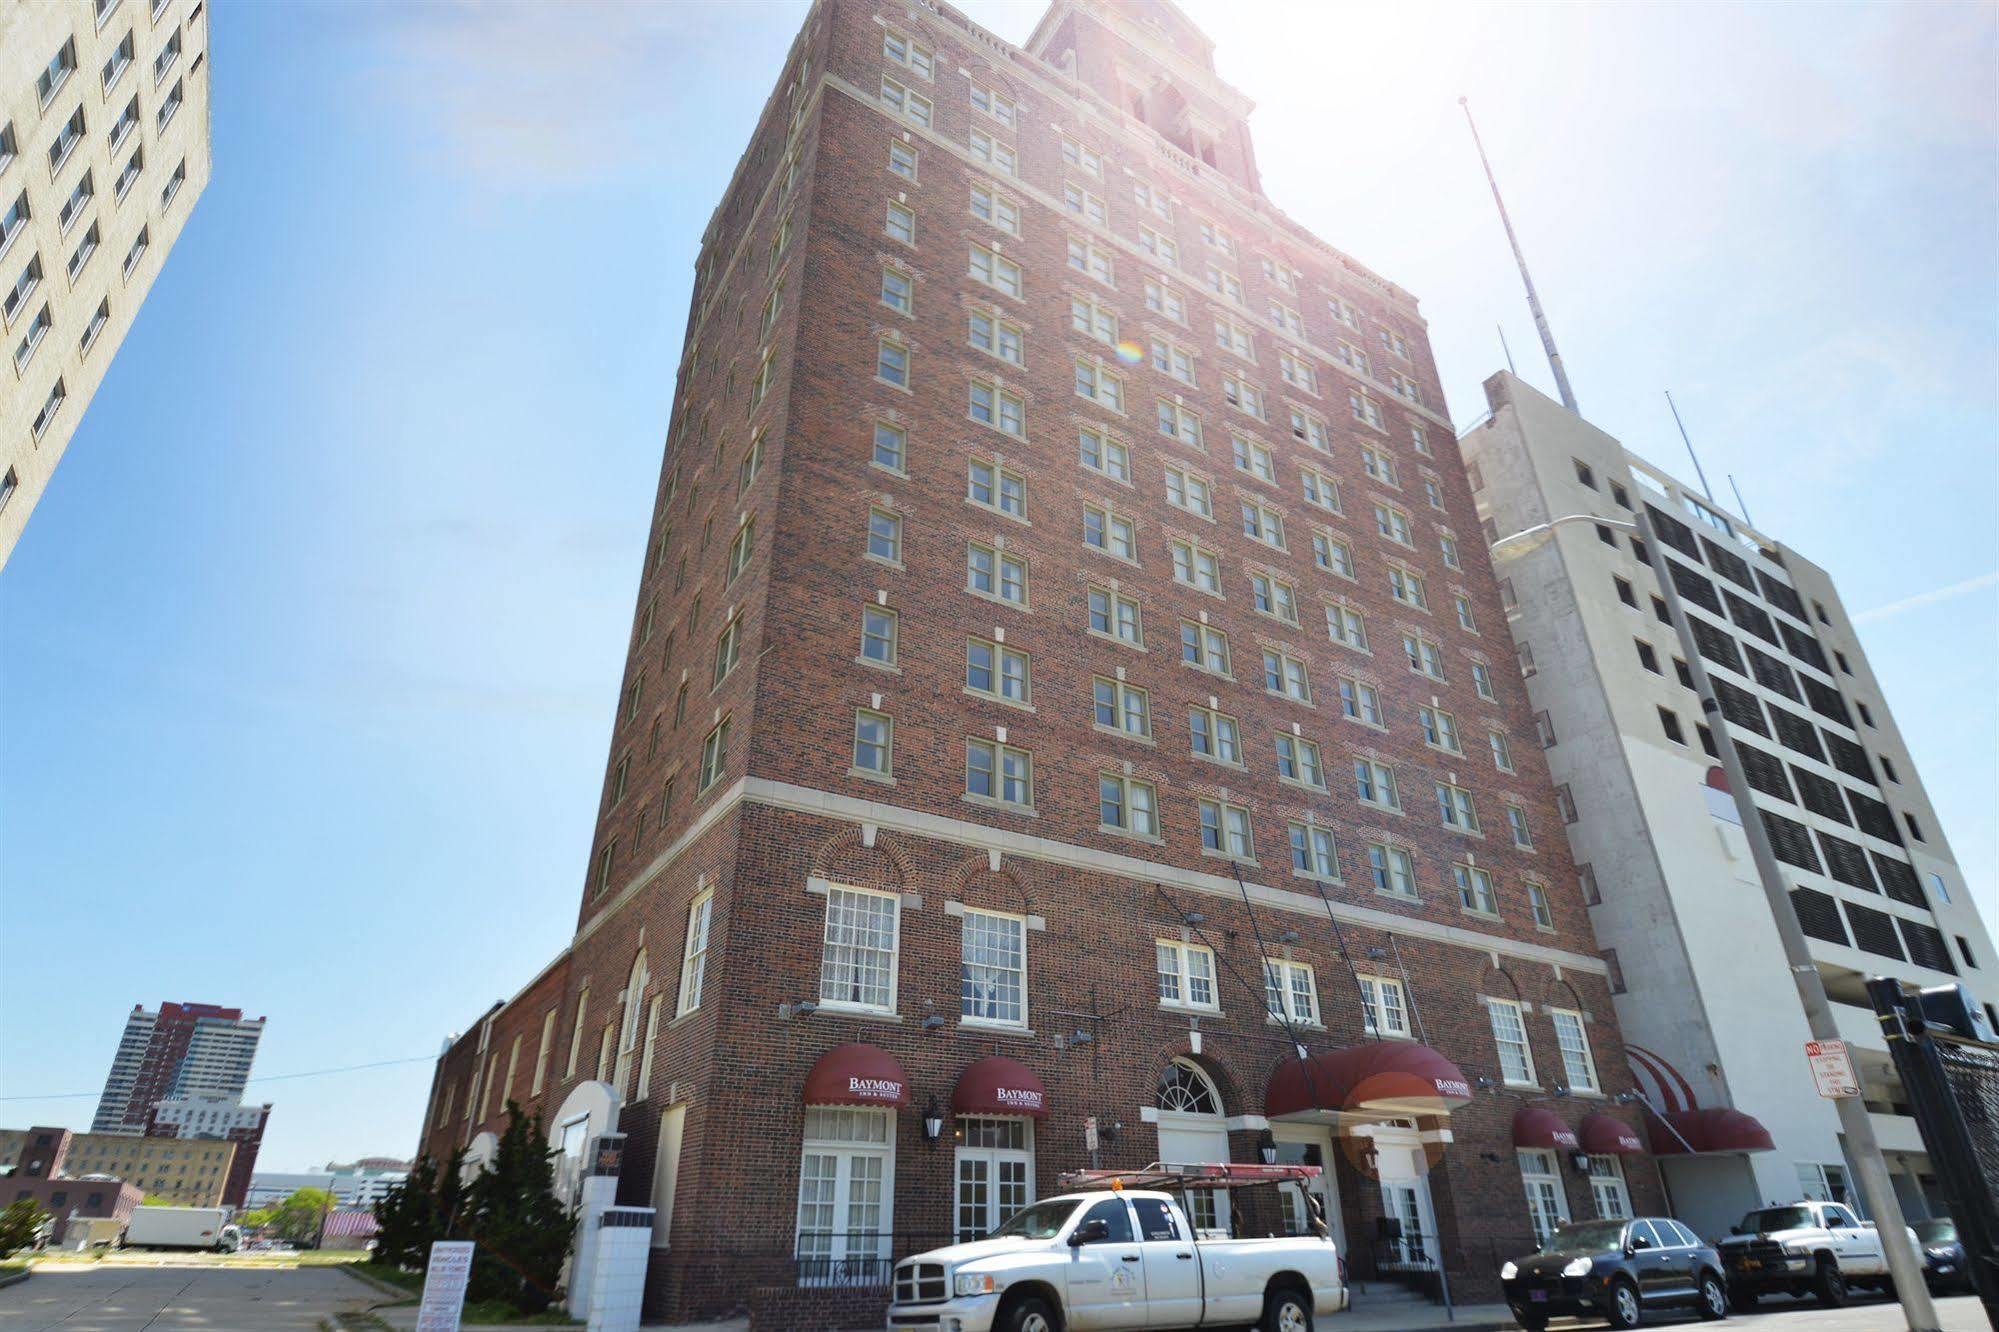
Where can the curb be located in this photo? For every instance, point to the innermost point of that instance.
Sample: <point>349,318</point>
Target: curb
<point>377,1284</point>
<point>16,1278</point>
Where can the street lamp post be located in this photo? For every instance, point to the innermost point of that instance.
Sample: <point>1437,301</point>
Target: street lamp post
<point>1904,1264</point>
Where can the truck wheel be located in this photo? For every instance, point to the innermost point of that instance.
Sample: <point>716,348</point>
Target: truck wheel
<point>1829,1284</point>
<point>1029,1315</point>
<point>1714,1297</point>
<point>1285,1310</point>
<point>1625,1310</point>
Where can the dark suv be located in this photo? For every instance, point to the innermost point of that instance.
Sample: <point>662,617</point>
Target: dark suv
<point>1615,1270</point>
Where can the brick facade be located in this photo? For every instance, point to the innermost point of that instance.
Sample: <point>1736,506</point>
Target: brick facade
<point>791,273</point>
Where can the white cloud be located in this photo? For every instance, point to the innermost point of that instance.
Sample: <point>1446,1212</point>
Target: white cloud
<point>1928,598</point>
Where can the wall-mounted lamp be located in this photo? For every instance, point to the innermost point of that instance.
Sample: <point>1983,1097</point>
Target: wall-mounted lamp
<point>933,1122</point>
<point>805,1008</point>
<point>1580,1160</point>
<point>1266,1147</point>
<point>1195,918</point>
<point>1482,1082</point>
<point>1108,1132</point>
<point>933,1022</point>
<point>1559,1091</point>
<point>1081,1037</point>
<point>1289,936</point>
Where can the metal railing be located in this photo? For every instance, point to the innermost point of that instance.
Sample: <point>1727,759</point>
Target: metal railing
<point>857,1259</point>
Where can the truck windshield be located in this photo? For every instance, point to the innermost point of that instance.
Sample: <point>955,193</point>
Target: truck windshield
<point>1587,1237</point>
<point>1938,1230</point>
<point>1039,1222</point>
<point>1777,1218</point>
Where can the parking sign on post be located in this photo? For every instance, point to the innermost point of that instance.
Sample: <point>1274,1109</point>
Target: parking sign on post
<point>444,1283</point>
<point>1832,1069</point>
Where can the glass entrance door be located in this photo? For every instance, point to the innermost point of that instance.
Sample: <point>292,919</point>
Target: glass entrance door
<point>995,1173</point>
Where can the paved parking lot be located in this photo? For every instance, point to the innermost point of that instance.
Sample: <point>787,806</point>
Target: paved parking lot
<point>1867,1313</point>
<point>128,1299</point>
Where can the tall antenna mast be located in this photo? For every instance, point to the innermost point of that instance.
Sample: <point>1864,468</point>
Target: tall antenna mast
<point>1741,505</point>
<point>1533,298</point>
<point>1698,470</point>
<point>1508,350</point>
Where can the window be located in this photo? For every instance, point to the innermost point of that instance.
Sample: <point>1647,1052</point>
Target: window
<point>1669,722</point>
<point>999,773</point>
<point>102,314</point>
<point>995,154</point>
<point>714,754</point>
<point>1186,976</point>
<point>1424,657</point>
<point>1226,285</point>
<point>992,975</point>
<point>1440,728</point>
<point>891,449</point>
<point>903,51</point>
<point>885,536</point>
<point>1297,371</point>
<point>1314,855</point>
<point>50,81</point>
<point>1085,257</point>
<point>133,166</point>
<point>1176,422</point>
<point>1625,593</point>
<point>1509,1035</point>
<point>741,549</point>
<point>1384,1006</point>
<point>1516,823</point>
<point>912,106</point>
<point>991,486</point>
<point>892,362</point>
<point>1360,702</point>
<point>728,648</point>
<point>169,56</point>
<point>1537,905</point>
<point>1151,200</point>
<point>1092,318</point>
<point>1502,752</point>
<point>1332,554</point>
<point>1547,1204</point>
<point>1613,1201</point>
<point>1125,804</point>
<point>996,671</point>
<point>1164,301</point>
<point>1215,735</point>
<point>1217,238</point>
<point>1481,679</point>
<point>997,105</point>
<point>995,270</point>
<point>1298,761</point>
<point>993,573</point>
<point>1196,566</point>
<point>1115,615</point>
<point>897,290</point>
<point>1374,784</point>
<point>50,406</point>
<point>993,406</point>
<point>1204,646</point>
<point>79,199</point>
<point>1287,318</point>
<point>24,287</point>
<point>1365,409</point>
<point>1087,160</point>
<point>1281,274</point>
<point>1242,395</point>
<point>1578,1066</point>
<point>1310,430</point>
<point>874,747</point>
<point>988,205</point>
<point>1290,993</point>
<point>1392,523</point>
<point>1253,458</point>
<point>879,633</point>
<point>1262,523</point>
<point>1158,245</point>
<point>1320,489</point>
<point>1225,830</point>
<point>1285,674</point>
<point>902,160</point>
<point>857,963</point>
<point>1099,386</point>
<point>1465,620</point>
<point>1100,453</point>
<point>37,330</point>
<point>1110,533</point>
<point>1122,707</point>
<point>1392,869</point>
<point>1188,490</point>
<point>1406,586</point>
<point>1475,892</point>
<point>9,145</point>
<point>1084,204</point>
<point>1171,358</point>
<point>1273,597</point>
<point>1455,808</point>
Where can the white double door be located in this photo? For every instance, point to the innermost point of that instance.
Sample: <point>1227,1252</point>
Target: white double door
<point>1403,1170</point>
<point>995,1175</point>
<point>1295,1142</point>
<point>1186,1138</point>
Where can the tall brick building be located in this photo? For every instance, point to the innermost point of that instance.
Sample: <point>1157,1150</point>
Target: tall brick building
<point>1067,682</point>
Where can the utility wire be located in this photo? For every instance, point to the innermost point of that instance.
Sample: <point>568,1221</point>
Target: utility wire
<point>266,1077</point>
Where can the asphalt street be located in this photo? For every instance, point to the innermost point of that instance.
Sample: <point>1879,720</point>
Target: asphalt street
<point>126,1298</point>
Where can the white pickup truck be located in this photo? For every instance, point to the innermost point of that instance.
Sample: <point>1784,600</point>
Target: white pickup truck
<point>1117,1258</point>
<point>1816,1248</point>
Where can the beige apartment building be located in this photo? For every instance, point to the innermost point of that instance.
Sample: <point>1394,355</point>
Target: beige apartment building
<point>104,147</point>
<point>184,1172</point>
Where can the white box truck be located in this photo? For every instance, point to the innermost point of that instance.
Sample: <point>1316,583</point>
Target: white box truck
<point>182,1228</point>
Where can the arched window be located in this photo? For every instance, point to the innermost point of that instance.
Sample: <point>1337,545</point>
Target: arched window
<point>1185,1088</point>
<point>628,1027</point>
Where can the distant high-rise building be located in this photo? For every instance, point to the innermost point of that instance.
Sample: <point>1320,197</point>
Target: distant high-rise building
<point>183,1050</point>
<point>103,150</point>
<point>216,1119</point>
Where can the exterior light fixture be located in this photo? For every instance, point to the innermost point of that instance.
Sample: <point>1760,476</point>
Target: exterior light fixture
<point>1266,1147</point>
<point>933,1122</point>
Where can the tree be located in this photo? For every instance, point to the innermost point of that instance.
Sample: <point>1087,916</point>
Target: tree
<point>419,1211</point>
<point>511,1212</point>
<point>19,1224</point>
<point>299,1217</point>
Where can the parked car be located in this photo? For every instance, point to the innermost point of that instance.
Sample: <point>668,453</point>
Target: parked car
<point>1943,1254</point>
<point>1616,1270</point>
<point>1803,1248</point>
<point>1116,1259</point>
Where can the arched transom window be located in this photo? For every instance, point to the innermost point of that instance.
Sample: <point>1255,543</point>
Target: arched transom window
<point>1186,1088</point>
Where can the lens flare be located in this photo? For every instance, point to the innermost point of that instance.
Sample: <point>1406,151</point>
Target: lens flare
<point>1130,352</point>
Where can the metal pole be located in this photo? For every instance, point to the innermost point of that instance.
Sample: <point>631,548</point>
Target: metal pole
<point>1904,1263</point>
<point>1706,489</point>
<point>1533,297</point>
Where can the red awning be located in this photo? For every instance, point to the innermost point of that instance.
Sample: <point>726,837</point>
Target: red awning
<point>999,1086</point>
<point>1717,1129</point>
<point>1393,1076</point>
<point>1537,1127</point>
<point>856,1075</point>
<point>1604,1135</point>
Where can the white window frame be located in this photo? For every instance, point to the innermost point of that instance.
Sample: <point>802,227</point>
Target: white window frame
<point>1572,1039</point>
<point>694,953</point>
<point>1283,1001</point>
<point>1014,925</point>
<point>829,998</point>
<point>1510,1013</point>
<point>1180,952</point>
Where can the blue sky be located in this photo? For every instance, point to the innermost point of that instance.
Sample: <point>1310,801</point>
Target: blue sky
<point>311,650</point>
